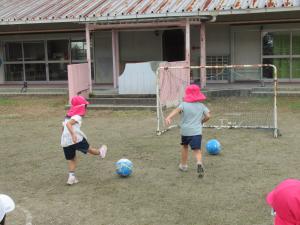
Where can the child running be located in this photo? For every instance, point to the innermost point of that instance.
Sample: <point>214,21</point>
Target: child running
<point>193,115</point>
<point>74,139</point>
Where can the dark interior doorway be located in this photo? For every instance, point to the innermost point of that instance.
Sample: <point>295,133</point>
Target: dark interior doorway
<point>173,45</point>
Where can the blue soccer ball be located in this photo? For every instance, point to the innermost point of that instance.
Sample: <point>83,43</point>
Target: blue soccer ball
<point>213,147</point>
<point>124,167</point>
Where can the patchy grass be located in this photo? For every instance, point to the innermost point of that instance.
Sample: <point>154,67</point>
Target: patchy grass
<point>233,191</point>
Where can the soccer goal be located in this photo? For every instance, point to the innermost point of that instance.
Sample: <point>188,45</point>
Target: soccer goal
<point>230,107</point>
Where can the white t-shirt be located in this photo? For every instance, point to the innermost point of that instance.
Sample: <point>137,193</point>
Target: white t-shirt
<point>66,138</point>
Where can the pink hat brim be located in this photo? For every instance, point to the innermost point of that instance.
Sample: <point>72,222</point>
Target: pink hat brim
<point>195,98</point>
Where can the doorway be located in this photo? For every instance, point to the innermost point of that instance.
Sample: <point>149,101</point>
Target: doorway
<point>173,45</point>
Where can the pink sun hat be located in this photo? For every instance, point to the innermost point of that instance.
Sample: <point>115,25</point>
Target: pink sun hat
<point>78,106</point>
<point>193,94</point>
<point>285,200</point>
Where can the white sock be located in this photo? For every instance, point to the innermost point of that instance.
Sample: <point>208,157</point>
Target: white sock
<point>71,174</point>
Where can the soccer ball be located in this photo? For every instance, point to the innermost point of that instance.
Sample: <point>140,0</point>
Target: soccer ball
<point>124,167</point>
<point>213,147</point>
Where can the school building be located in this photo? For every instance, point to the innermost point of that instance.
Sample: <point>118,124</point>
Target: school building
<point>39,38</point>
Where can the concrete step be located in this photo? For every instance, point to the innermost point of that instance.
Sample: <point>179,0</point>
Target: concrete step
<point>279,93</point>
<point>279,88</point>
<point>123,101</point>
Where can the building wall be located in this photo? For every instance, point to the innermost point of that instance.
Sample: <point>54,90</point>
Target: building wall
<point>140,46</point>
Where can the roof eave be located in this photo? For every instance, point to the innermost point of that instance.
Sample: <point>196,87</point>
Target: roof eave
<point>141,17</point>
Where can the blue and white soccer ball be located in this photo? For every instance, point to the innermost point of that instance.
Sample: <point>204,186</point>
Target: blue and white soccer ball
<point>213,147</point>
<point>124,167</point>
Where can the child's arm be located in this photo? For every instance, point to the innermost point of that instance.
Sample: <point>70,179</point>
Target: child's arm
<point>69,125</point>
<point>168,120</point>
<point>206,117</point>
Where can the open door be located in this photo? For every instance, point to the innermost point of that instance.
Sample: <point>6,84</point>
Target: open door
<point>173,45</point>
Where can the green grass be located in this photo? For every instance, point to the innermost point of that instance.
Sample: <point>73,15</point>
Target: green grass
<point>7,101</point>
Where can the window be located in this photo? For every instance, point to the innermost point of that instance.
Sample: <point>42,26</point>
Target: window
<point>13,72</point>
<point>282,49</point>
<point>34,51</point>
<point>35,72</point>
<point>58,50</point>
<point>296,43</point>
<point>13,51</point>
<point>42,60</point>
<point>283,68</point>
<point>276,43</point>
<point>296,68</point>
<point>78,50</point>
<point>58,71</point>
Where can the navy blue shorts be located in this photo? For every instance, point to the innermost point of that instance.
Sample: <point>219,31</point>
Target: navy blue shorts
<point>193,141</point>
<point>70,151</point>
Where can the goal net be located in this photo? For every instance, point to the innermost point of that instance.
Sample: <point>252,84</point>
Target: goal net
<point>231,107</point>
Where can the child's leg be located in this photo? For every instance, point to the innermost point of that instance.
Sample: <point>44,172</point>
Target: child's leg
<point>184,154</point>
<point>72,164</point>
<point>198,155</point>
<point>93,151</point>
<point>101,151</point>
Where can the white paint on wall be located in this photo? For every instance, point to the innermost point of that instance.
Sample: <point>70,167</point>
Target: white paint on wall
<point>138,78</point>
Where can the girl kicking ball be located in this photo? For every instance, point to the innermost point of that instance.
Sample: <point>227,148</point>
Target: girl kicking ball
<point>73,139</point>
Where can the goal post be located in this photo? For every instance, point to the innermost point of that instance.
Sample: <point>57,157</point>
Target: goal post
<point>246,111</point>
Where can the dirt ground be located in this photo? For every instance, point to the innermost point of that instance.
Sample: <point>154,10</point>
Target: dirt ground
<point>33,170</point>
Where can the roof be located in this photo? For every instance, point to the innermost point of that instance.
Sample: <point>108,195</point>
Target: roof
<point>50,11</point>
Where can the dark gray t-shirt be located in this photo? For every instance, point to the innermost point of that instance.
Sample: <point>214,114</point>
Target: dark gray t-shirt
<point>191,117</point>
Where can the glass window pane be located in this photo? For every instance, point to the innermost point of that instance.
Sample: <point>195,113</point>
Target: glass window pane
<point>34,51</point>
<point>78,50</point>
<point>58,71</point>
<point>35,72</point>
<point>13,51</point>
<point>276,43</point>
<point>283,68</point>
<point>13,72</point>
<point>296,43</point>
<point>296,68</point>
<point>58,50</point>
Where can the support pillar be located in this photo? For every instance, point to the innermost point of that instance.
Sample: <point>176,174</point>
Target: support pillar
<point>188,44</point>
<point>88,54</point>
<point>202,55</point>
<point>116,57</point>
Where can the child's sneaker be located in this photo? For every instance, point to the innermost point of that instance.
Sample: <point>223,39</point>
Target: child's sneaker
<point>102,151</point>
<point>72,180</point>
<point>200,170</point>
<point>183,168</point>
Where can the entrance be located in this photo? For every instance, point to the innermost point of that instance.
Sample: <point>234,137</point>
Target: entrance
<point>173,45</point>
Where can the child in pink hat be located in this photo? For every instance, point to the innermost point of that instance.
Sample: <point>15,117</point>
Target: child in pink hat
<point>193,115</point>
<point>285,201</point>
<point>73,139</point>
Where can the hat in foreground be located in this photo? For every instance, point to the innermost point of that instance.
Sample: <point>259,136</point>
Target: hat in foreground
<point>285,200</point>
<point>6,205</point>
<point>193,94</point>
